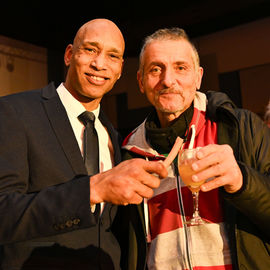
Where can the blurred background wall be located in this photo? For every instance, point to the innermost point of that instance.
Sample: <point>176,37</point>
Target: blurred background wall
<point>23,66</point>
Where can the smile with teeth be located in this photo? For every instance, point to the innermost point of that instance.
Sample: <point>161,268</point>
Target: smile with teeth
<point>97,78</point>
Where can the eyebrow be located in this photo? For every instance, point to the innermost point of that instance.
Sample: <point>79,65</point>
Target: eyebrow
<point>155,63</point>
<point>159,63</point>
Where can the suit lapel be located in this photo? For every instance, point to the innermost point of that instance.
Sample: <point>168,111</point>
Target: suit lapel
<point>60,124</point>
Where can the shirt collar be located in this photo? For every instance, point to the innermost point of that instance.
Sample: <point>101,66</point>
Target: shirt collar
<point>73,107</point>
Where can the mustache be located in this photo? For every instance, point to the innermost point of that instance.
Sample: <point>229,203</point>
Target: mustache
<point>170,90</point>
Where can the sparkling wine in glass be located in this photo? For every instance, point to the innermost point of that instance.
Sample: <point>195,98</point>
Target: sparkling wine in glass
<point>185,159</point>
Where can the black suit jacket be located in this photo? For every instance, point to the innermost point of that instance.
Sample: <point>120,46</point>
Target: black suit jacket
<point>45,217</point>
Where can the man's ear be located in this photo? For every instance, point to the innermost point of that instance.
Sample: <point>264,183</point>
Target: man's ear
<point>140,83</point>
<point>68,54</point>
<point>199,78</point>
<point>122,66</point>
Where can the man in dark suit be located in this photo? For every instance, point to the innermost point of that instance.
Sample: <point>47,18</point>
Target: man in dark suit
<point>48,202</point>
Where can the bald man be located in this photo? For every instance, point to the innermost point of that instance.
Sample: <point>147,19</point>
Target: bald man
<point>53,214</point>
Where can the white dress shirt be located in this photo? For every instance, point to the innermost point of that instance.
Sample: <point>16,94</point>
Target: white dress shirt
<point>74,108</point>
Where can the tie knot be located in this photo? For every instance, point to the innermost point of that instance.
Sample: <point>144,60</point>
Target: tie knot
<point>86,117</point>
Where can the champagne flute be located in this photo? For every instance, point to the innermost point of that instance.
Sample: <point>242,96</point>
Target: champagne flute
<point>185,159</point>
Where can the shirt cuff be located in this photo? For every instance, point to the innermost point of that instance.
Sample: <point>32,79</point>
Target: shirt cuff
<point>93,207</point>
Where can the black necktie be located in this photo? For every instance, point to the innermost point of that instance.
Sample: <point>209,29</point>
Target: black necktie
<point>90,148</point>
<point>90,143</point>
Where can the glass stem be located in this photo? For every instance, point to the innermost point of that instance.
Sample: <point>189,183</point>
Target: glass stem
<point>195,196</point>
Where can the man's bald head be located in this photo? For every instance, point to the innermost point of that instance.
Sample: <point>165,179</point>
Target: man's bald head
<point>99,25</point>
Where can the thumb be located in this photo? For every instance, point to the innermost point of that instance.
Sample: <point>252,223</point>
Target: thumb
<point>156,167</point>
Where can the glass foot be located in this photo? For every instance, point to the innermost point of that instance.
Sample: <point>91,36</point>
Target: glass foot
<point>196,221</point>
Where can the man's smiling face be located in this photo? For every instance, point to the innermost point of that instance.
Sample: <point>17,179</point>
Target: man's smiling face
<point>95,61</point>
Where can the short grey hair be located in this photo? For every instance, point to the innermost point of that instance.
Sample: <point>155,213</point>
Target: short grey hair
<point>173,33</point>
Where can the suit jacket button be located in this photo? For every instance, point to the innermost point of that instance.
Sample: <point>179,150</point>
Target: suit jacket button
<point>69,223</point>
<point>76,221</point>
<point>56,227</point>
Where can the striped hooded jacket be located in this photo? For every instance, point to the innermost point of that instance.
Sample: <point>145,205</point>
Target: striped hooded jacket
<point>245,215</point>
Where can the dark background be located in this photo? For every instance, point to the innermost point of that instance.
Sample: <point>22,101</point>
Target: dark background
<point>53,25</point>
